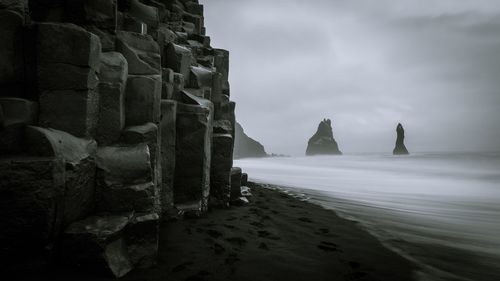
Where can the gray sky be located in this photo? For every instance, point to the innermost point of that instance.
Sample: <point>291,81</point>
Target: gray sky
<point>367,65</point>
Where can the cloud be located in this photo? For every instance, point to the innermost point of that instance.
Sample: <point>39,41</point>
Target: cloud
<point>367,66</point>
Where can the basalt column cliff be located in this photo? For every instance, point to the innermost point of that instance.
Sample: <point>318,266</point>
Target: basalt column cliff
<point>113,114</point>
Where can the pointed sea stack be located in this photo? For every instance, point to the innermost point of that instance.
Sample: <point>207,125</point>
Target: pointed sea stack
<point>400,148</point>
<point>322,142</point>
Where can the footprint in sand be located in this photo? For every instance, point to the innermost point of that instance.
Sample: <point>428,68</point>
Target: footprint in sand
<point>182,266</point>
<point>218,249</point>
<point>263,246</point>
<point>328,246</point>
<point>228,226</point>
<point>304,219</point>
<point>257,224</point>
<point>214,233</point>
<point>268,235</point>
<point>239,241</point>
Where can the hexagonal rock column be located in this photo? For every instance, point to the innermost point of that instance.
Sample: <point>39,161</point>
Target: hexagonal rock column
<point>31,190</point>
<point>141,51</point>
<point>16,114</point>
<point>67,78</point>
<point>193,152</point>
<point>168,140</point>
<point>200,77</point>
<point>220,170</point>
<point>143,93</point>
<point>177,58</point>
<point>112,83</point>
<point>142,99</point>
<point>149,134</point>
<point>11,50</point>
<point>79,158</point>
<point>124,179</point>
<point>235,183</point>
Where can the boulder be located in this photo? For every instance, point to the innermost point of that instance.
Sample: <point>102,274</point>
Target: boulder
<point>75,112</point>
<point>235,183</point>
<point>124,165</point>
<point>168,139</point>
<point>142,99</point>
<point>400,148</point>
<point>16,114</point>
<point>142,235</point>
<point>245,146</point>
<point>141,51</point>
<point>220,170</point>
<point>96,245</point>
<point>323,142</point>
<point>193,151</point>
<point>80,48</point>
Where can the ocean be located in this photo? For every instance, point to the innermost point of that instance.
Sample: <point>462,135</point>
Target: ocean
<point>440,210</point>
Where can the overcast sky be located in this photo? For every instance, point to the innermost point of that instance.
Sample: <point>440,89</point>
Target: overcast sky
<point>434,66</point>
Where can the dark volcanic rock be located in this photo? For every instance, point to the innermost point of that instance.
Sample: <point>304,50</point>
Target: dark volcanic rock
<point>322,142</point>
<point>400,148</point>
<point>245,146</point>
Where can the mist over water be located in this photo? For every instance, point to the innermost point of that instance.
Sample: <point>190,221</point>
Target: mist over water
<point>440,210</point>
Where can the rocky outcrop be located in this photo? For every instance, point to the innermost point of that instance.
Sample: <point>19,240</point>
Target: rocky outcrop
<point>245,146</point>
<point>400,148</point>
<point>323,142</point>
<point>113,116</point>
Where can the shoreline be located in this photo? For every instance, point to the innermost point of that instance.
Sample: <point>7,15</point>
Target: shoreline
<point>276,237</point>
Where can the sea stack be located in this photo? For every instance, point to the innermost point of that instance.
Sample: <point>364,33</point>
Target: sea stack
<point>400,148</point>
<point>322,142</point>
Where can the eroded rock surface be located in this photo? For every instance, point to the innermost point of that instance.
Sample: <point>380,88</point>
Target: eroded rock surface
<point>323,142</point>
<point>400,148</point>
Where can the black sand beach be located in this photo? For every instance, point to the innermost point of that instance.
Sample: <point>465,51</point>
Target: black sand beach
<point>275,237</point>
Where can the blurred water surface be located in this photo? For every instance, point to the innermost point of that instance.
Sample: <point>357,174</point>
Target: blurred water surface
<point>441,210</point>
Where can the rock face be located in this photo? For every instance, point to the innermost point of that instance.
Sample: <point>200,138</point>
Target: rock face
<point>245,146</point>
<point>323,142</point>
<point>400,148</point>
<point>113,116</point>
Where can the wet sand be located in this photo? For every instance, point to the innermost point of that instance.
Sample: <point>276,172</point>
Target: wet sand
<point>276,237</point>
